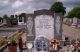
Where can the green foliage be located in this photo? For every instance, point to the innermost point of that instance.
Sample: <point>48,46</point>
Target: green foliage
<point>12,16</point>
<point>58,8</point>
<point>71,14</point>
<point>75,12</point>
<point>5,16</point>
<point>13,42</point>
<point>16,16</point>
<point>0,19</point>
<point>22,15</point>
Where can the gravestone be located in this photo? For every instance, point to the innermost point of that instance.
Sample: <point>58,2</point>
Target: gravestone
<point>48,25</point>
<point>44,30</point>
<point>78,25</point>
<point>74,22</point>
<point>70,21</point>
<point>44,24</point>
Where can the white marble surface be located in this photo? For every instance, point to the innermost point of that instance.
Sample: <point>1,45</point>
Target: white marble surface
<point>44,26</point>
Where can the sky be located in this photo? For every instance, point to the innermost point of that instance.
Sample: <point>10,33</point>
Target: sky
<point>10,7</point>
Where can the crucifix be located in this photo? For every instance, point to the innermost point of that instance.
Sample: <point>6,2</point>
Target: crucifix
<point>54,44</point>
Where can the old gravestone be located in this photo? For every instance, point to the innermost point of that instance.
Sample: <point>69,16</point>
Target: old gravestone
<point>74,22</point>
<point>47,25</point>
<point>44,24</point>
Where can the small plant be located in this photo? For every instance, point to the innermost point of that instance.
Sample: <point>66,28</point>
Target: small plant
<point>12,47</point>
<point>13,42</point>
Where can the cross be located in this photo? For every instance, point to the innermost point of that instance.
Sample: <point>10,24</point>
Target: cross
<point>54,44</point>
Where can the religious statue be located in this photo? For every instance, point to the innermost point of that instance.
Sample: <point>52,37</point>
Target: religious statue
<point>58,25</point>
<point>29,25</point>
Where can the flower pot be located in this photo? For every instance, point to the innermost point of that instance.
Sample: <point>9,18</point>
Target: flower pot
<point>12,48</point>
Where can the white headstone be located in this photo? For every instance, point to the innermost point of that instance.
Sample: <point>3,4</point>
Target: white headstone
<point>74,21</point>
<point>44,26</point>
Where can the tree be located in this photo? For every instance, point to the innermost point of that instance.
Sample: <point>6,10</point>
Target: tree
<point>12,16</point>
<point>22,15</point>
<point>75,12</point>
<point>5,17</point>
<point>0,19</point>
<point>71,14</point>
<point>58,8</point>
<point>16,16</point>
<point>13,21</point>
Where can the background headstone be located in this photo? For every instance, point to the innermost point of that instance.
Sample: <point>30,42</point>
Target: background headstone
<point>74,21</point>
<point>78,23</point>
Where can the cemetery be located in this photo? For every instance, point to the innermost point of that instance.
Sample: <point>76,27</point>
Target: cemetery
<point>45,30</point>
<point>45,33</point>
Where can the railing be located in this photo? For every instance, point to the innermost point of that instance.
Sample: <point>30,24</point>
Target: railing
<point>3,48</point>
<point>14,36</point>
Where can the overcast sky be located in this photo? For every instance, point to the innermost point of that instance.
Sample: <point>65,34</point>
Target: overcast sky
<point>28,6</point>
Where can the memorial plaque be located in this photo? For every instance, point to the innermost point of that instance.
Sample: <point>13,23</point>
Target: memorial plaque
<point>44,26</point>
